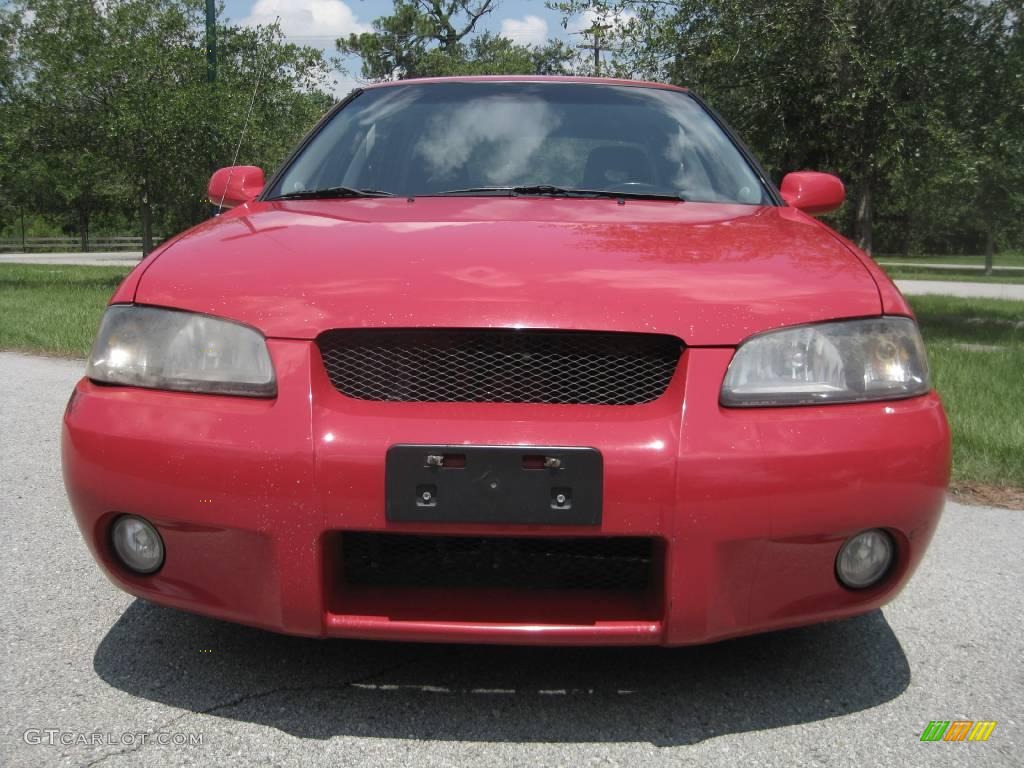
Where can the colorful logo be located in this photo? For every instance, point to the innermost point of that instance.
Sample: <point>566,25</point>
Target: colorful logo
<point>958,730</point>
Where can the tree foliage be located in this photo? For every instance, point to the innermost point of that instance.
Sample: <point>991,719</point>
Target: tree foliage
<point>435,38</point>
<point>106,106</point>
<point>106,113</point>
<point>915,103</point>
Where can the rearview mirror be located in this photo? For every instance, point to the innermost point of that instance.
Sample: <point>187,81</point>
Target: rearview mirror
<point>235,185</point>
<point>813,192</point>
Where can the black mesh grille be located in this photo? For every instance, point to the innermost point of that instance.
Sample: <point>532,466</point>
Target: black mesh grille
<point>404,560</point>
<point>500,366</point>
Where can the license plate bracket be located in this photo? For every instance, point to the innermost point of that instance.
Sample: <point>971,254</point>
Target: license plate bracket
<point>535,485</point>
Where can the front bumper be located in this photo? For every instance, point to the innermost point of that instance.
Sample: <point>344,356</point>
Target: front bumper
<point>748,507</point>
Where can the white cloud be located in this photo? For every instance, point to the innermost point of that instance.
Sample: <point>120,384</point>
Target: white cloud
<point>307,21</point>
<point>512,129</point>
<point>531,30</point>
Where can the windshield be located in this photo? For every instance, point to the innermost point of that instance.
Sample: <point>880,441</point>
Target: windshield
<point>481,138</point>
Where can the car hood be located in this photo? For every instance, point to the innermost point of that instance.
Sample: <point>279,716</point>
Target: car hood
<point>710,274</point>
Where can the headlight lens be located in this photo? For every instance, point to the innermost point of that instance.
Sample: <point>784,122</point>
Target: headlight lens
<point>183,351</point>
<point>838,362</point>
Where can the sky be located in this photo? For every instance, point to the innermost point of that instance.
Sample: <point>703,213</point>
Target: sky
<point>320,22</point>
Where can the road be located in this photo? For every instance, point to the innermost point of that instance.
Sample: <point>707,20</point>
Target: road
<point>966,290</point>
<point>1001,268</point>
<point>92,258</point>
<point>82,657</point>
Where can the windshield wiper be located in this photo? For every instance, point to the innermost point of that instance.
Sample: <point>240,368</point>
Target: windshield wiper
<point>555,191</point>
<point>331,193</point>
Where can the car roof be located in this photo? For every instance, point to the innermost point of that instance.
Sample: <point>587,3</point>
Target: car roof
<point>527,79</point>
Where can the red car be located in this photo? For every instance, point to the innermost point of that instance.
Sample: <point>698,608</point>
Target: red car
<point>512,360</point>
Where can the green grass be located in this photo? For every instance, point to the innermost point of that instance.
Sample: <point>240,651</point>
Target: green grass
<point>976,352</point>
<point>975,346</point>
<point>54,310</point>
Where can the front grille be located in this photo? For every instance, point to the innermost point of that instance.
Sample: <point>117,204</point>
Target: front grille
<point>406,560</point>
<point>500,366</point>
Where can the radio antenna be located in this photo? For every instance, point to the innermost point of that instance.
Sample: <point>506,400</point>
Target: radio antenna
<point>245,123</point>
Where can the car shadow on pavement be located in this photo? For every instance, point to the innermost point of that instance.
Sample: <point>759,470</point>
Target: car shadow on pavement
<point>324,688</point>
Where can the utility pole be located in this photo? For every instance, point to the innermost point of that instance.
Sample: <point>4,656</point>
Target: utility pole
<point>596,30</point>
<point>211,41</point>
<point>211,77</point>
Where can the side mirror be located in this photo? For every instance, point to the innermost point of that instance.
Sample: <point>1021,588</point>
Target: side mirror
<point>813,192</point>
<point>235,185</point>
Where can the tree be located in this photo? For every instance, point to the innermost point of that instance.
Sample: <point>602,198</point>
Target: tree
<point>114,111</point>
<point>57,168</point>
<point>993,109</point>
<point>431,38</point>
<point>489,54</point>
<point>11,22</point>
<point>871,89</point>
<point>399,42</point>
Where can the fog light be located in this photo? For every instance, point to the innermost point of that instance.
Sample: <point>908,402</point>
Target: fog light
<point>137,543</point>
<point>865,559</point>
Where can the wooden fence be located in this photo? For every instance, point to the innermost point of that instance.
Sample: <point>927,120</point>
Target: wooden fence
<point>71,244</point>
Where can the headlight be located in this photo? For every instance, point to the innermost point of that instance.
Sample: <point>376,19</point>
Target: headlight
<point>184,351</point>
<point>838,362</point>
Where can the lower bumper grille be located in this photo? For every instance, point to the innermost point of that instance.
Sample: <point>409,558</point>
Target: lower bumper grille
<point>519,563</point>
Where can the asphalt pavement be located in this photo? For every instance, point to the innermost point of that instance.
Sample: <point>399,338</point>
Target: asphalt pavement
<point>110,676</point>
<point>91,258</point>
<point>965,290</point>
<point>944,267</point>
